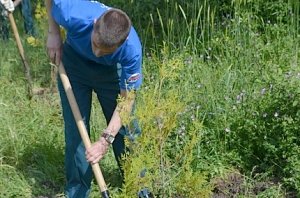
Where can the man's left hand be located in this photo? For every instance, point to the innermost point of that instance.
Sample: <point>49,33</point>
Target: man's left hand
<point>97,151</point>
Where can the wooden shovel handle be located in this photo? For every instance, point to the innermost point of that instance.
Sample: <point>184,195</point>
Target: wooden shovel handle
<point>81,127</point>
<point>21,52</point>
<point>16,34</point>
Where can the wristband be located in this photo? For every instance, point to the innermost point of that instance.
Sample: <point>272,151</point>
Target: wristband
<point>108,136</point>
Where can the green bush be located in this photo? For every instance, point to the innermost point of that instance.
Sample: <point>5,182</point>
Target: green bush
<point>264,129</point>
<point>165,150</point>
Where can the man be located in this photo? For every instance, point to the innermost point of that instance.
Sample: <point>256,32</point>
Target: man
<point>4,28</point>
<point>26,10</point>
<point>102,53</point>
<point>6,5</point>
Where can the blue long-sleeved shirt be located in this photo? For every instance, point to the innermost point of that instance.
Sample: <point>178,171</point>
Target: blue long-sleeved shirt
<point>77,17</point>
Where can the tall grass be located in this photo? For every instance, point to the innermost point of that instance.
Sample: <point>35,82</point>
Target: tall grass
<point>184,25</point>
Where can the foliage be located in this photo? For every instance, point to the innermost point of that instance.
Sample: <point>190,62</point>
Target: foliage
<point>13,184</point>
<point>190,24</point>
<point>31,143</point>
<point>154,162</point>
<point>265,128</point>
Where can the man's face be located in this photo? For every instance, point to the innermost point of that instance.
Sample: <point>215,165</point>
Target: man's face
<point>100,50</point>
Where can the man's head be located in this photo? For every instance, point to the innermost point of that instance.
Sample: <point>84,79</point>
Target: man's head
<point>110,31</point>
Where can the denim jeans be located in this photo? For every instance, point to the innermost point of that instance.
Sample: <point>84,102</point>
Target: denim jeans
<point>86,77</point>
<point>27,16</point>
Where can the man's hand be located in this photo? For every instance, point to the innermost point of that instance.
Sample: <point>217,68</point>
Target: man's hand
<point>8,5</point>
<point>54,46</point>
<point>97,151</point>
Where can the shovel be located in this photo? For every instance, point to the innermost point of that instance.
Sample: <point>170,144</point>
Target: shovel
<point>21,51</point>
<point>81,127</point>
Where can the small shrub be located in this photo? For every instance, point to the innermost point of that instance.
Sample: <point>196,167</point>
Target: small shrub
<point>161,160</point>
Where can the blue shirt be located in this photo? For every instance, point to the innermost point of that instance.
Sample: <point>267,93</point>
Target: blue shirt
<point>77,17</point>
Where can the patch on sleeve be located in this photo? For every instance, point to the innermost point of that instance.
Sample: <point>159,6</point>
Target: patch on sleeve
<point>134,77</point>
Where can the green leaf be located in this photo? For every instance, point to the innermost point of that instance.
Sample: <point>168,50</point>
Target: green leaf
<point>295,103</point>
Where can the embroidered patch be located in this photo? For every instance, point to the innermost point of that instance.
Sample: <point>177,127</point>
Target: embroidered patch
<point>134,77</point>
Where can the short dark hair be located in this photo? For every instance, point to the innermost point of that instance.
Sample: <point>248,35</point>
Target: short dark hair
<point>112,28</point>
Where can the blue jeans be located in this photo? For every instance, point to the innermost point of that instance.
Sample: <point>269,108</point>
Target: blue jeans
<point>85,77</point>
<point>27,16</point>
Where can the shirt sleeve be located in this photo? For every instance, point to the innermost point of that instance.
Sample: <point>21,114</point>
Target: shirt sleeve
<point>131,77</point>
<point>61,13</point>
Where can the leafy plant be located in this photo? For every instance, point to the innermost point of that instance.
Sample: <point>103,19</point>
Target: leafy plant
<point>154,162</point>
<point>265,128</point>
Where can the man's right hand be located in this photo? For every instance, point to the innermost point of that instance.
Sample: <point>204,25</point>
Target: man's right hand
<point>54,46</point>
<point>8,5</point>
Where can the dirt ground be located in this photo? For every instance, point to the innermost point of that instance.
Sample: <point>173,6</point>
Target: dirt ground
<point>234,185</point>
